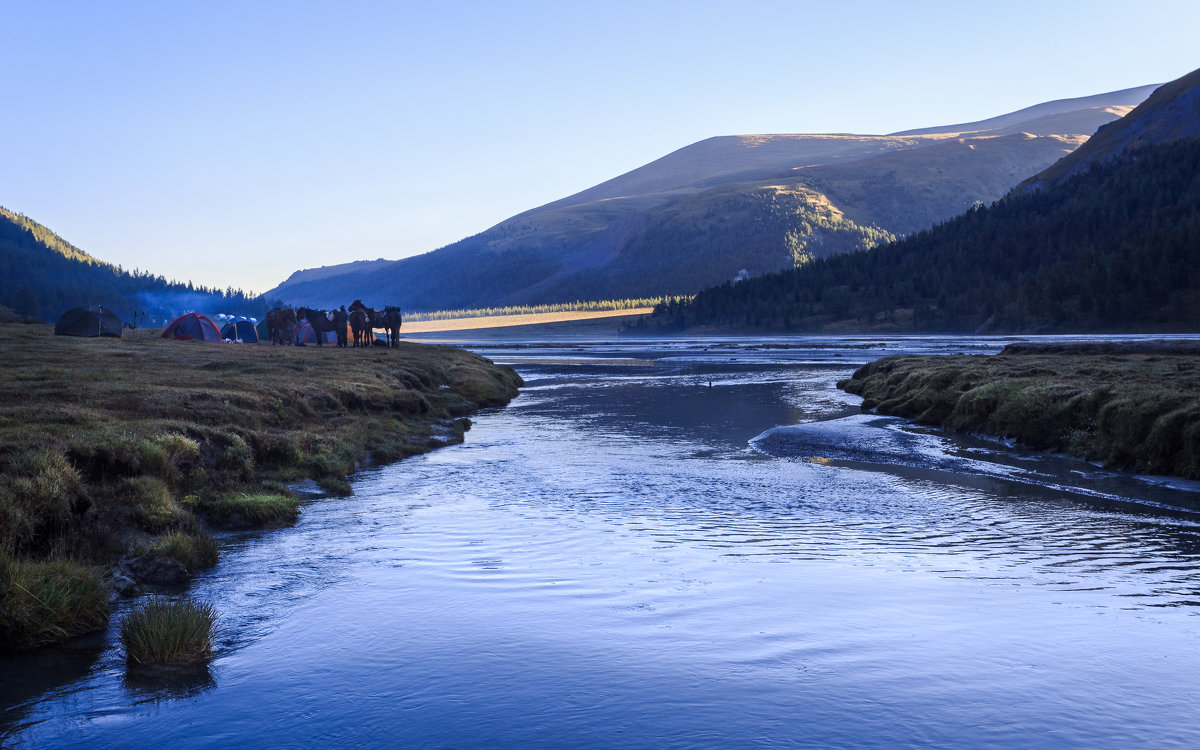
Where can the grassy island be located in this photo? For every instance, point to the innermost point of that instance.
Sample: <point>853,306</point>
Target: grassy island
<point>116,454</point>
<point>1133,406</point>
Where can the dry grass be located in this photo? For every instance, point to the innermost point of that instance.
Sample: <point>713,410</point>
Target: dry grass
<point>1137,411</point>
<point>102,439</point>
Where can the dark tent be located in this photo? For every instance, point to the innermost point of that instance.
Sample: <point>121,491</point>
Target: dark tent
<point>242,328</point>
<point>192,326</point>
<point>88,321</point>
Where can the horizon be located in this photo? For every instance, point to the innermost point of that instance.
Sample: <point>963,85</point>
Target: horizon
<point>268,139</point>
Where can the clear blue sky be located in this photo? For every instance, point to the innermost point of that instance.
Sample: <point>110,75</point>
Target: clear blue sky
<point>231,143</point>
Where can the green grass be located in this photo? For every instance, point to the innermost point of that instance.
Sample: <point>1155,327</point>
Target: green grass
<point>164,631</point>
<point>241,509</point>
<point>102,439</point>
<point>194,550</point>
<point>48,601</point>
<point>1131,410</point>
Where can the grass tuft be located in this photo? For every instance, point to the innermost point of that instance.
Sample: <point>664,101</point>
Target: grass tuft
<point>165,631</point>
<point>242,510</point>
<point>194,551</point>
<point>48,601</point>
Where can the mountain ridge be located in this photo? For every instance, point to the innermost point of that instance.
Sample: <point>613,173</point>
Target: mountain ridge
<point>637,233</point>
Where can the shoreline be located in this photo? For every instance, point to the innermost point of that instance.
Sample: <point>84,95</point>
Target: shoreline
<point>1128,406</point>
<point>120,450</point>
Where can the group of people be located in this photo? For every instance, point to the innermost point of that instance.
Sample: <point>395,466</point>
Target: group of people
<point>357,320</point>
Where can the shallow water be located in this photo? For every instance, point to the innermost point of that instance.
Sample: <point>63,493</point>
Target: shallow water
<point>683,544</point>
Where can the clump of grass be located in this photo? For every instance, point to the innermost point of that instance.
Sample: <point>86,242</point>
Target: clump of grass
<point>48,601</point>
<point>247,510</point>
<point>194,551</point>
<point>151,501</point>
<point>165,631</point>
<point>37,490</point>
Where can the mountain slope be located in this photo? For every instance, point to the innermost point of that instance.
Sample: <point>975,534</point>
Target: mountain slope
<point>1171,113</point>
<point>1113,247</point>
<point>700,215</point>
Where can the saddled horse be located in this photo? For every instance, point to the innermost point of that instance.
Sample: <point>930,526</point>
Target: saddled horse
<point>361,317</point>
<point>281,323</point>
<point>322,321</point>
<point>390,318</point>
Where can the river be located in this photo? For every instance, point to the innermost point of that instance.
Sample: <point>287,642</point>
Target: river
<point>680,544</point>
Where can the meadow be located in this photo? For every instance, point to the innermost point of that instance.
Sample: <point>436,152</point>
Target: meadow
<point>117,455</point>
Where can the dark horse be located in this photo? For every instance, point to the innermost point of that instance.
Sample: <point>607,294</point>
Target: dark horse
<point>390,318</point>
<point>339,322</point>
<point>322,322</point>
<point>361,317</point>
<point>281,323</point>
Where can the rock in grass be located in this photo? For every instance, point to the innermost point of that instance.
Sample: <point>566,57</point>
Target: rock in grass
<point>166,631</point>
<point>157,569</point>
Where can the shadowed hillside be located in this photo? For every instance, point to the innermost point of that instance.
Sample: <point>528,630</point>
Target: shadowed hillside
<point>44,276</point>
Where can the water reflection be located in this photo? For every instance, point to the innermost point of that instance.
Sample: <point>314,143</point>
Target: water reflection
<point>153,683</point>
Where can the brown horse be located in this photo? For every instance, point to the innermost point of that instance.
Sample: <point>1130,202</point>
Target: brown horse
<point>361,317</point>
<point>281,322</point>
<point>390,318</point>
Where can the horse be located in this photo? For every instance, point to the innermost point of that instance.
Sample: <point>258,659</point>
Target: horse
<point>281,322</point>
<point>391,319</point>
<point>338,317</point>
<point>361,318</point>
<point>320,321</point>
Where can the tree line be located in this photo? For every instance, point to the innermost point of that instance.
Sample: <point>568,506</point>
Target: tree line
<point>44,276</point>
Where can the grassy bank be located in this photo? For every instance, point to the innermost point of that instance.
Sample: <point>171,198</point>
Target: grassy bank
<point>1132,407</point>
<point>111,448</point>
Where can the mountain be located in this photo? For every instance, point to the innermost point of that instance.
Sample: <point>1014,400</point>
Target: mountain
<point>700,215</point>
<point>44,276</point>
<point>1107,240</point>
<point>1170,114</point>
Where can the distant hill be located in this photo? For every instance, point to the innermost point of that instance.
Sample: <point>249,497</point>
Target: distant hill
<point>1103,241</point>
<point>698,216</point>
<point>44,276</point>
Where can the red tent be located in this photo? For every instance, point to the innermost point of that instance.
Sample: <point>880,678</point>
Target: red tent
<point>306,335</point>
<point>192,326</point>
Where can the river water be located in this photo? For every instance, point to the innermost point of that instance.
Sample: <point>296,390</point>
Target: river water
<point>683,544</point>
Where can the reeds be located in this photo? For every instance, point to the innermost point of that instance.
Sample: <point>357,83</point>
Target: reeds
<point>166,631</point>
